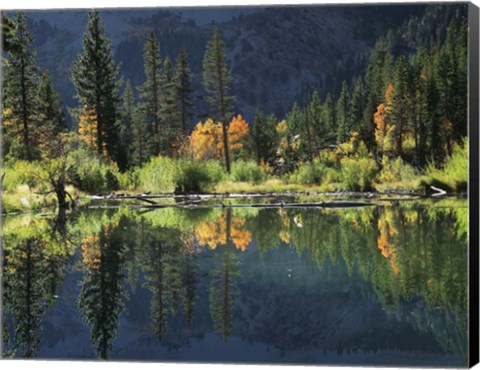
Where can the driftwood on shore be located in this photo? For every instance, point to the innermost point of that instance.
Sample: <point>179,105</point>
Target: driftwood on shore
<point>201,200</point>
<point>276,200</point>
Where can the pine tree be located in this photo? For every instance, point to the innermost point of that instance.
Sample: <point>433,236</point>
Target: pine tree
<point>184,90</point>
<point>341,115</point>
<point>141,138</point>
<point>400,102</point>
<point>216,81</point>
<point>356,108</point>
<point>8,31</point>
<point>263,137</point>
<point>168,107</point>
<point>150,91</point>
<point>377,78</point>
<point>50,118</point>
<point>328,118</point>
<point>316,125</point>
<point>127,114</point>
<point>20,89</point>
<point>94,76</point>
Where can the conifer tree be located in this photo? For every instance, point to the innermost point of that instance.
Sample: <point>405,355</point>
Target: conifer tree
<point>50,118</point>
<point>264,138</point>
<point>328,117</point>
<point>356,108</point>
<point>400,102</point>
<point>150,91</point>
<point>377,78</point>
<point>217,81</point>
<point>94,76</point>
<point>184,90</point>
<point>127,114</point>
<point>8,31</point>
<point>341,115</point>
<point>321,127</point>
<point>20,89</point>
<point>168,106</point>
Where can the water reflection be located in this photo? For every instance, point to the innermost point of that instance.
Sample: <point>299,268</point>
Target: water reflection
<point>296,284</point>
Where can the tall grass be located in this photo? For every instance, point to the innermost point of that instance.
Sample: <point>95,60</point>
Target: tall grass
<point>453,176</point>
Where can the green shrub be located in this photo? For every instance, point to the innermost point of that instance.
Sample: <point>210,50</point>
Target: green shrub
<point>157,175</point>
<point>396,170</point>
<point>309,174</point>
<point>89,176</point>
<point>251,172</point>
<point>111,180</point>
<point>358,174</point>
<point>196,176</point>
<point>19,173</point>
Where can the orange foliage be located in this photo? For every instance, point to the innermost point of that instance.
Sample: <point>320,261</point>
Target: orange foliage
<point>380,118</point>
<point>91,252</point>
<point>388,249</point>
<point>206,140</point>
<point>214,233</point>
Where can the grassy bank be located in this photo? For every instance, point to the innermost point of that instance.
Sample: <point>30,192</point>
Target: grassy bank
<point>22,190</point>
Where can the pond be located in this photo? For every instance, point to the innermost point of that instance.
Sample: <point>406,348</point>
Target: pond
<point>379,285</point>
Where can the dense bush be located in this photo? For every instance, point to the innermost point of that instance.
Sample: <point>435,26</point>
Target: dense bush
<point>19,172</point>
<point>251,172</point>
<point>89,176</point>
<point>196,176</point>
<point>358,174</point>
<point>309,174</point>
<point>396,170</point>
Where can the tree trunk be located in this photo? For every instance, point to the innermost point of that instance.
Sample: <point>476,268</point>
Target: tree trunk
<point>61,196</point>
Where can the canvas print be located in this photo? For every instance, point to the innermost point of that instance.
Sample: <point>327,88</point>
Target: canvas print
<point>249,184</point>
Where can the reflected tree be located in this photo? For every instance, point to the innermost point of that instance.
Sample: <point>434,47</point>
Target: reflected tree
<point>102,295</point>
<point>25,273</point>
<point>222,291</point>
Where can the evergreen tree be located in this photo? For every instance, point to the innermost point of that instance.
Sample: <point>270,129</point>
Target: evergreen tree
<point>400,102</point>
<point>263,135</point>
<point>141,138</point>
<point>50,118</point>
<point>127,114</point>
<point>94,76</point>
<point>341,115</point>
<point>150,91</point>
<point>217,81</point>
<point>356,108</point>
<point>168,107</point>
<point>8,32</point>
<point>377,77</point>
<point>320,125</point>
<point>184,90</point>
<point>20,90</point>
<point>328,118</point>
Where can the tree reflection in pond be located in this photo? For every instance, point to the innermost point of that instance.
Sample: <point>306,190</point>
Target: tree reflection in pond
<point>391,278</point>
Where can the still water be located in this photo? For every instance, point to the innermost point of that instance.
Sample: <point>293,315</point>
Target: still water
<point>381,285</point>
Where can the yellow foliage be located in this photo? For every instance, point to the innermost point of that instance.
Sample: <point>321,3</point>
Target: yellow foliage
<point>214,233</point>
<point>88,128</point>
<point>282,127</point>
<point>91,251</point>
<point>206,140</point>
